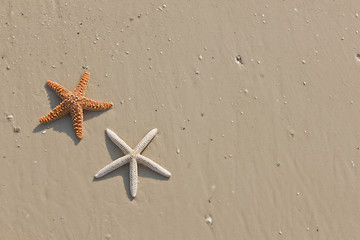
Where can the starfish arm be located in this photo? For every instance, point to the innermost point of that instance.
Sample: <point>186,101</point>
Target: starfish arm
<point>60,90</point>
<point>133,177</point>
<point>153,165</point>
<point>61,110</point>
<point>77,118</point>
<point>113,166</point>
<point>118,142</point>
<point>81,87</point>
<point>92,105</point>
<point>145,141</point>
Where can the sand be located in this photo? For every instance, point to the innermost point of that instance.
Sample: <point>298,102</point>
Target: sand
<point>257,105</point>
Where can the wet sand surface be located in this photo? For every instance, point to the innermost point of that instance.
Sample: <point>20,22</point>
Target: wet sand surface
<point>257,105</point>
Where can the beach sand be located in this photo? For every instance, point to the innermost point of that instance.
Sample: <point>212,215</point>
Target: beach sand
<point>257,105</point>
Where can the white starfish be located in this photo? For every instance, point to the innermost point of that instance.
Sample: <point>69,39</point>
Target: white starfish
<point>132,156</point>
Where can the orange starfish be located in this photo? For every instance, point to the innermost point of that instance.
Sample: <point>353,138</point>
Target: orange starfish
<point>74,102</point>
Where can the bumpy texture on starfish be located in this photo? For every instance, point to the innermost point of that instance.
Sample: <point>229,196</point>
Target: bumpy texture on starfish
<point>132,156</point>
<point>74,102</point>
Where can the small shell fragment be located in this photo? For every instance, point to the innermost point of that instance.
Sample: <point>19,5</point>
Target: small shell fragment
<point>208,220</point>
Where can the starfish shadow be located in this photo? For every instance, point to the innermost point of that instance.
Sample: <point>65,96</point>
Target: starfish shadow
<point>124,171</point>
<point>61,125</point>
